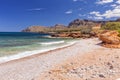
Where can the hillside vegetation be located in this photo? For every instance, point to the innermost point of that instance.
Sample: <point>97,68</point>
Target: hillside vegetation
<point>111,26</point>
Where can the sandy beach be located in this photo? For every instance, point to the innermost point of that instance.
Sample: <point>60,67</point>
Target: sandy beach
<point>85,60</point>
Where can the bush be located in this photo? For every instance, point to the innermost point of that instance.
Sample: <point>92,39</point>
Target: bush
<point>111,26</point>
<point>86,30</point>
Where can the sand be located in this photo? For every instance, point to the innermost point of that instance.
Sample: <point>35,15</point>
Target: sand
<point>85,60</point>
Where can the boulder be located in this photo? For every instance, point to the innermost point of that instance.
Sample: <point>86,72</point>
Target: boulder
<point>110,38</point>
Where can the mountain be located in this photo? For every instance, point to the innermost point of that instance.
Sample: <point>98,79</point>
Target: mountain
<point>118,20</point>
<point>79,23</point>
<point>36,29</point>
<point>73,25</point>
<point>45,29</point>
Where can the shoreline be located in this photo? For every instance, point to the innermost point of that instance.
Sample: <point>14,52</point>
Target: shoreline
<point>29,68</point>
<point>30,54</point>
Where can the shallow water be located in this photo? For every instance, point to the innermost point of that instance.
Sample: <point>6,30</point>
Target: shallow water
<point>12,43</point>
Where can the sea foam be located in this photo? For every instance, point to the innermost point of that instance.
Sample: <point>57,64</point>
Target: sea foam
<point>29,53</point>
<point>51,43</point>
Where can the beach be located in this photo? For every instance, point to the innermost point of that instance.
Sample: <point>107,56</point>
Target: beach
<point>84,60</point>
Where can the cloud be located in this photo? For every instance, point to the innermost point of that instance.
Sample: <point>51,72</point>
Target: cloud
<point>81,15</point>
<point>113,5</point>
<point>36,9</point>
<point>114,13</point>
<point>75,0</point>
<point>98,18</point>
<point>104,1</point>
<point>118,2</point>
<point>96,15</point>
<point>80,1</point>
<point>69,12</point>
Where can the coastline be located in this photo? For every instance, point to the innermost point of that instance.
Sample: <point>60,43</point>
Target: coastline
<point>26,54</point>
<point>65,63</point>
<point>29,68</point>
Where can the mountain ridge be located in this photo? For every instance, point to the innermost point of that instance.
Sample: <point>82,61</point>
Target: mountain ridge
<point>75,24</point>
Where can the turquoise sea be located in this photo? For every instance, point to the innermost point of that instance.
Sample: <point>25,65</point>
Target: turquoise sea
<point>15,45</point>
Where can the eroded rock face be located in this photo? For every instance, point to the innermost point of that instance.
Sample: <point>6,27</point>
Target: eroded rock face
<point>72,35</point>
<point>110,39</point>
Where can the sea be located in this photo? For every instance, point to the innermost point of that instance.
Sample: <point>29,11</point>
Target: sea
<point>15,45</point>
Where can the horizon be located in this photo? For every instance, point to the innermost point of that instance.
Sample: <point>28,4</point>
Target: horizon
<point>18,15</point>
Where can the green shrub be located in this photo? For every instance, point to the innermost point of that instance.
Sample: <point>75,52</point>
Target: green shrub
<point>111,26</point>
<point>86,30</point>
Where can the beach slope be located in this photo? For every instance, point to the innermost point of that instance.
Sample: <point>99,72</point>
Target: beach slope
<point>85,60</point>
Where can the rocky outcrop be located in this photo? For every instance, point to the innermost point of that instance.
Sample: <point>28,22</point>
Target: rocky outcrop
<point>110,39</point>
<point>74,35</point>
<point>81,23</point>
<point>68,35</point>
<point>85,23</point>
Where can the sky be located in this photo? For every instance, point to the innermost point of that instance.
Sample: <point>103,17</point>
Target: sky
<point>16,15</point>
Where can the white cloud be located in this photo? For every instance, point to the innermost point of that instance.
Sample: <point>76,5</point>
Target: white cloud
<point>69,12</point>
<point>36,9</point>
<point>113,5</point>
<point>114,13</point>
<point>96,13</point>
<point>98,18</point>
<point>75,0</point>
<point>84,1</point>
<point>81,15</point>
<point>104,1</point>
<point>118,2</point>
<point>95,17</point>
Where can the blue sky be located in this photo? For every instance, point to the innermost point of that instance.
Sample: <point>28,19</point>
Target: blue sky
<point>16,15</point>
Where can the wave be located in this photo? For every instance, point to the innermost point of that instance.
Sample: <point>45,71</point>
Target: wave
<point>29,53</point>
<point>51,43</point>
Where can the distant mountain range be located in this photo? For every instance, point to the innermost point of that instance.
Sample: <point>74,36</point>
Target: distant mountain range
<point>75,24</point>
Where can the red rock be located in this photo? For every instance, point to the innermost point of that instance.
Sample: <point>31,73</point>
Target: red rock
<point>110,39</point>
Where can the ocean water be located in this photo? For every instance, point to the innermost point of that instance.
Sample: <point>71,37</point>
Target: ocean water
<point>14,45</point>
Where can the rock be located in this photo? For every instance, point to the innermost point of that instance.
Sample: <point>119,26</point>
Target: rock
<point>83,23</point>
<point>110,39</point>
<point>110,65</point>
<point>101,75</point>
<point>71,35</point>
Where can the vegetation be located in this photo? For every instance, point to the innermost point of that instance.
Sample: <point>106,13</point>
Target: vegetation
<point>111,26</point>
<point>86,30</point>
